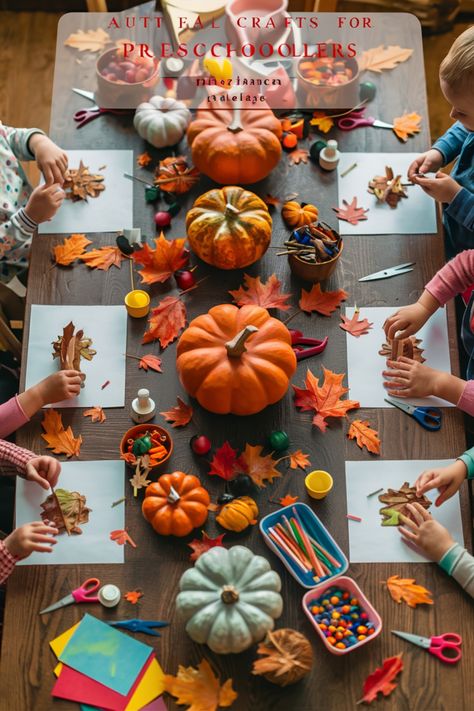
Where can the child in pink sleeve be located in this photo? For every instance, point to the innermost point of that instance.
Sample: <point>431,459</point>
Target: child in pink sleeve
<point>408,378</point>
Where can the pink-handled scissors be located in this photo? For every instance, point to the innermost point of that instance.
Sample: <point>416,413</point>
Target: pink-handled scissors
<point>84,116</point>
<point>446,647</point>
<point>356,119</point>
<point>84,593</point>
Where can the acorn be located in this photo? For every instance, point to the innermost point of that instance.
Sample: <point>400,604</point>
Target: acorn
<point>200,444</point>
<point>184,279</point>
<point>242,485</point>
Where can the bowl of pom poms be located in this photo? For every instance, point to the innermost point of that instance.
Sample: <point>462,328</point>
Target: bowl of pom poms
<point>313,251</point>
<point>124,78</point>
<point>146,445</point>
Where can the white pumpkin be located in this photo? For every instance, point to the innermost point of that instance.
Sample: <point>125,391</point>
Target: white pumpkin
<point>162,122</point>
<point>229,599</point>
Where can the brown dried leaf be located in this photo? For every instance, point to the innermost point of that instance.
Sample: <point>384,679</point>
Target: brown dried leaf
<point>79,184</point>
<point>388,188</point>
<point>396,500</point>
<point>407,347</point>
<point>70,348</point>
<point>287,656</point>
<point>66,510</point>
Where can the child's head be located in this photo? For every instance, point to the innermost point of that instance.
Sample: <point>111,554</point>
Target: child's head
<point>456,76</point>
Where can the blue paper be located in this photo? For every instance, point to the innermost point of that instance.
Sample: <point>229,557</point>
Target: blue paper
<point>105,654</point>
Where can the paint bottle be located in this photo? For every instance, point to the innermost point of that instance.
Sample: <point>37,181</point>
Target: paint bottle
<point>109,595</point>
<point>329,156</point>
<point>143,407</point>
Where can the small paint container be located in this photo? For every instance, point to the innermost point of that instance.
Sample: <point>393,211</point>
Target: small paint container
<point>109,595</point>
<point>137,303</point>
<point>318,484</point>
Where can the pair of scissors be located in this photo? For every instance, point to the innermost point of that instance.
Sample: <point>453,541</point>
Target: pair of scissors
<point>312,346</point>
<point>427,417</point>
<point>446,647</point>
<point>84,116</point>
<point>390,272</point>
<point>84,593</point>
<point>145,626</point>
<point>356,119</point>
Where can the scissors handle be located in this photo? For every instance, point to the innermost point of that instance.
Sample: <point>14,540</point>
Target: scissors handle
<point>428,417</point>
<point>348,123</point>
<point>85,593</point>
<point>447,638</point>
<point>447,652</point>
<point>84,116</point>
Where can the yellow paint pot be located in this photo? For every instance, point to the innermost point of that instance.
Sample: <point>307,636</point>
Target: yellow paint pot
<point>318,484</point>
<point>137,303</point>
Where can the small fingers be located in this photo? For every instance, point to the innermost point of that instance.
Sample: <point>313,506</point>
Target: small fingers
<point>407,534</point>
<point>41,549</point>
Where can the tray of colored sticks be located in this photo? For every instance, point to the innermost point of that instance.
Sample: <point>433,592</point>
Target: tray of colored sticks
<point>304,545</point>
<point>314,243</point>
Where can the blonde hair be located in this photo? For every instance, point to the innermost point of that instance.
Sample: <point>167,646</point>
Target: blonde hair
<point>457,68</point>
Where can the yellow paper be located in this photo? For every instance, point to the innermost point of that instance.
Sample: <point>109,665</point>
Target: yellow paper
<point>59,643</point>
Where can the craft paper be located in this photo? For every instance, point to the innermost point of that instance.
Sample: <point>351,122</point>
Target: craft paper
<point>103,653</point>
<point>369,541</point>
<point>101,482</point>
<point>112,210</point>
<point>106,326</point>
<point>413,215</point>
<point>365,365</point>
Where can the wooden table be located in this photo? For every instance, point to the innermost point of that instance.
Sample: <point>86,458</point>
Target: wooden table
<point>157,563</point>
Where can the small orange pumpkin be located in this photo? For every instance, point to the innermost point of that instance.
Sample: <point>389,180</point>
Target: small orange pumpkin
<point>175,504</point>
<point>236,360</point>
<point>298,214</point>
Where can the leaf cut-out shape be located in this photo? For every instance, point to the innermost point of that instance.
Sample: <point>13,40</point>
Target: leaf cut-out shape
<point>382,679</point>
<point>381,58</point>
<point>351,212</point>
<point>266,294</point>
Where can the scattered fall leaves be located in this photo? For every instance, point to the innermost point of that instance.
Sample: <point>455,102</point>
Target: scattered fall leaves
<point>382,679</point>
<point>365,436</point>
<point>70,250</point>
<point>224,462</point>
<point>147,361</point>
<point>121,536</point>
<point>299,155</point>
<point>266,294</point>
<point>322,121</point>
<point>298,459</point>
<point>60,440</point>
<point>407,125</point>
<point>96,414</point>
<point>160,263</point>
<point>261,469</point>
<point>379,58</point>
<point>144,159</point>
<point>325,400</point>
<point>407,590</point>
<point>355,326</point>
<point>351,212</point>
<point>202,545</point>
<point>79,184</point>
<point>103,258</point>
<point>133,596</point>
<point>179,415</point>
<point>324,302</point>
<point>173,175</point>
<point>199,688</point>
<point>88,41</point>
<point>288,500</point>
<point>166,321</point>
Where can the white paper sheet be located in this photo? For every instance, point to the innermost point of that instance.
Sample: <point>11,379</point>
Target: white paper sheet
<point>101,483</point>
<point>106,325</point>
<point>369,541</point>
<point>112,210</point>
<point>413,215</point>
<point>365,365</point>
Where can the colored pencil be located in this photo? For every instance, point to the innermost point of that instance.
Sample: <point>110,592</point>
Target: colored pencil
<point>309,548</point>
<point>297,532</point>
<point>291,544</point>
<point>325,552</point>
<point>278,541</point>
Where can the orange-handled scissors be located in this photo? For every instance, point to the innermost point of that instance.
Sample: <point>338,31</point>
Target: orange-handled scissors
<point>446,647</point>
<point>84,593</point>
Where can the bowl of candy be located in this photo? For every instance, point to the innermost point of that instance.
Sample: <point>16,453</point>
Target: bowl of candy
<point>147,445</point>
<point>313,251</point>
<point>329,82</point>
<point>124,82</point>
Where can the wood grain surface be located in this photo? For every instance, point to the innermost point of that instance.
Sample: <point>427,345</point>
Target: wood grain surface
<point>156,565</point>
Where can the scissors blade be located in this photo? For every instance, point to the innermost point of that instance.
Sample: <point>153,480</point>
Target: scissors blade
<point>404,406</point>
<point>382,124</point>
<point>389,272</point>
<point>67,600</point>
<point>424,642</point>
<point>86,94</point>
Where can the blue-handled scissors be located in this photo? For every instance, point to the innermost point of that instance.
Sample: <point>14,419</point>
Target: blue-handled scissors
<point>145,626</point>
<point>427,417</point>
<point>356,119</point>
<point>446,647</point>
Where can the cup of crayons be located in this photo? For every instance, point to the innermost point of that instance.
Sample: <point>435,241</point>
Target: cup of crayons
<point>305,547</point>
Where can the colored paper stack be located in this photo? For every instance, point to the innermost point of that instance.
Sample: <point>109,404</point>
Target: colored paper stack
<point>106,670</point>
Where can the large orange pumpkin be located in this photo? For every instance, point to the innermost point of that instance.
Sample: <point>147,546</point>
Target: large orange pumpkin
<point>229,227</point>
<point>175,504</point>
<point>236,360</point>
<point>233,145</point>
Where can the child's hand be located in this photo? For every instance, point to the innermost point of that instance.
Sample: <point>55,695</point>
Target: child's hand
<point>44,202</point>
<point>44,471</point>
<point>442,188</point>
<point>52,160</point>
<point>36,536</point>
<point>63,385</point>
<point>406,321</point>
<point>431,537</point>
<point>408,378</point>
<point>446,479</point>
<point>428,162</point>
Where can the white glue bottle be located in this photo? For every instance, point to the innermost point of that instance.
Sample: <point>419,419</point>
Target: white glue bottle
<point>143,407</point>
<point>329,156</point>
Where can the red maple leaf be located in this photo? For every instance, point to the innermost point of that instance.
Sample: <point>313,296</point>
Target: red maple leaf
<point>324,302</point>
<point>350,212</point>
<point>179,415</point>
<point>166,321</point>
<point>201,546</point>
<point>382,679</point>
<point>268,294</point>
<point>325,400</point>
<point>355,326</point>
<point>160,263</point>
<point>225,462</point>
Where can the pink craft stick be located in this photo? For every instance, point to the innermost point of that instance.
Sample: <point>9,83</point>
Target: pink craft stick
<point>351,517</point>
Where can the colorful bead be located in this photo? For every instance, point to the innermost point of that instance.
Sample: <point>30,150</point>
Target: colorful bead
<point>279,441</point>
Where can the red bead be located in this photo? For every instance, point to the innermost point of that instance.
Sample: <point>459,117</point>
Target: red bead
<point>185,279</point>
<point>200,444</point>
<point>162,219</point>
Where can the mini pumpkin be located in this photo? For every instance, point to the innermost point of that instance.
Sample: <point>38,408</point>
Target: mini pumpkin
<point>298,214</point>
<point>229,227</point>
<point>239,514</point>
<point>229,600</point>
<point>175,504</point>
<point>236,360</point>
<point>235,145</point>
<point>162,122</point>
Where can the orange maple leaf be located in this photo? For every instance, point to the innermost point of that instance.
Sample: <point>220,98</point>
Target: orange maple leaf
<point>406,589</point>
<point>299,155</point>
<point>351,212</point>
<point>166,321</point>
<point>268,294</point>
<point>324,302</point>
<point>406,126</point>
<point>199,688</point>
<point>200,546</point>
<point>179,415</point>
<point>288,500</point>
<point>72,248</point>
<point>133,596</point>
<point>365,436</point>
<point>260,469</point>
<point>144,159</point>
<point>355,326</point>
<point>58,439</point>
<point>121,537</point>
<point>103,258</point>
<point>382,679</point>
<point>160,263</point>
<point>298,459</point>
<point>322,121</point>
<point>325,400</point>
<point>96,414</point>
<point>150,361</point>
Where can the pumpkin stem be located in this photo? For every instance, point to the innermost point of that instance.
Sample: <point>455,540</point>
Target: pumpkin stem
<point>229,594</point>
<point>173,497</point>
<point>236,346</point>
<point>236,124</point>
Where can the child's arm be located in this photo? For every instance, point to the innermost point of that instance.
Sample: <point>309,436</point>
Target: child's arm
<point>450,144</point>
<point>19,140</point>
<point>36,536</point>
<point>43,470</point>
<point>461,208</point>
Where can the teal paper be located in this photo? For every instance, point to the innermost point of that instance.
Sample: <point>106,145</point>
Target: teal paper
<point>105,654</point>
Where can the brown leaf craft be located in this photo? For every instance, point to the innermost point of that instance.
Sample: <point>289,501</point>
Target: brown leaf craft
<point>66,510</point>
<point>407,347</point>
<point>395,502</point>
<point>79,184</point>
<point>351,212</point>
<point>71,347</point>
<point>388,188</point>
